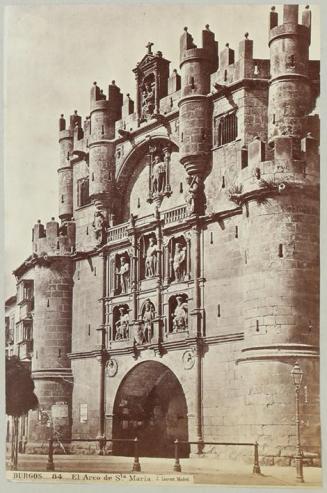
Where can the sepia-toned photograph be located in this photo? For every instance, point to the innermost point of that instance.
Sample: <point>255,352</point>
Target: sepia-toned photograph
<point>162,244</point>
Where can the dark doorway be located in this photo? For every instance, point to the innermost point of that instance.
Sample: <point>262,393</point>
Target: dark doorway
<point>150,404</point>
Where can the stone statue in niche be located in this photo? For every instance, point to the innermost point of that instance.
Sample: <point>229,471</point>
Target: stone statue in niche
<point>151,258</point>
<point>159,164</point>
<point>122,324</point>
<point>180,314</point>
<point>179,261</point>
<point>124,274</point>
<point>99,227</point>
<point>148,100</point>
<point>144,331</point>
<point>159,172</point>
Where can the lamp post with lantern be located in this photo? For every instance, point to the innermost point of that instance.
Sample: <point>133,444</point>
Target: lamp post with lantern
<point>297,375</point>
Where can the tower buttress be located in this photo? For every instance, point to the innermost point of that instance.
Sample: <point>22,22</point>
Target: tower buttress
<point>65,172</point>
<point>290,92</point>
<point>104,113</point>
<point>196,66</point>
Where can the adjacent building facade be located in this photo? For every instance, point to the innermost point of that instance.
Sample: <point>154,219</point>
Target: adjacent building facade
<point>181,283</point>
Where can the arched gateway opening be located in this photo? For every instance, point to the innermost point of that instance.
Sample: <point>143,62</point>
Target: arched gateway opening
<point>150,404</point>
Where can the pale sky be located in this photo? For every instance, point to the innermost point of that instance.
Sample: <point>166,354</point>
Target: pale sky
<point>53,53</point>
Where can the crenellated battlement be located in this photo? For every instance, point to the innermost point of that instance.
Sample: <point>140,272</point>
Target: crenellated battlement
<point>244,66</point>
<point>291,162</point>
<point>208,51</point>
<point>290,24</point>
<point>53,239</point>
<point>112,103</point>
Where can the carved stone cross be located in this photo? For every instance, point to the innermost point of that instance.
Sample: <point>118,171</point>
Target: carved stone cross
<point>149,46</point>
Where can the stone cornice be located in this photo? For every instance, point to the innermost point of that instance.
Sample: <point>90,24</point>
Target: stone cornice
<point>95,353</point>
<point>236,85</point>
<point>52,373</point>
<point>166,345</point>
<point>34,259</point>
<point>283,351</point>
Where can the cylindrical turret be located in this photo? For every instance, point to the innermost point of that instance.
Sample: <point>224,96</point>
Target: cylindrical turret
<point>104,113</point>
<point>65,172</point>
<point>195,108</point>
<point>290,93</point>
<point>280,246</point>
<point>52,323</point>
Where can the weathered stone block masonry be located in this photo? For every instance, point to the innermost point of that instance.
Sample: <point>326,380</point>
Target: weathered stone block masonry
<point>182,282</point>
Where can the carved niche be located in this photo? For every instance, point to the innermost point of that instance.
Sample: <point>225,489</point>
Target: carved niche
<point>151,75</point>
<point>144,328</point>
<point>177,259</point>
<point>149,256</point>
<point>159,164</point>
<point>147,97</point>
<point>120,323</point>
<point>122,273</point>
<point>178,313</point>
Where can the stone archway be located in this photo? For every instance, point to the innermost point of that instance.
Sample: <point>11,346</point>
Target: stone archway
<point>150,404</point>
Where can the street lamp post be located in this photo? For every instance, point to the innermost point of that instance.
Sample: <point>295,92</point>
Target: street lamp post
<point>297,375</point>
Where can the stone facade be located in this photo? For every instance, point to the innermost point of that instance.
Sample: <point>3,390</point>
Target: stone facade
<point>182,283</point>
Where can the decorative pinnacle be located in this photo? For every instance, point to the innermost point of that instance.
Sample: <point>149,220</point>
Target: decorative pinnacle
<point>246,35</point>
<point>273,8</point>
<point>149,47</point>
<point>185,29</point>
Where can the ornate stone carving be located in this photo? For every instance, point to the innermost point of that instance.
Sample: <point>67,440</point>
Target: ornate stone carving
<point>188,360</point>
<point>123,273</point>
<point>159,170</point>
<point>147,98</point>
<point>159,163</point>
<point>99,227</point>
<point>195,197</point>
<point>145,326</point>
<point>179,313</point>
<point>179,261</point>
<point>151,258</point>
<point>121,323</point>
<point>111,367</point>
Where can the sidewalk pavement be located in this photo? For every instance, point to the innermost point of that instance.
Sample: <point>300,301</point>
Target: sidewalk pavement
<point>204,470</point>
